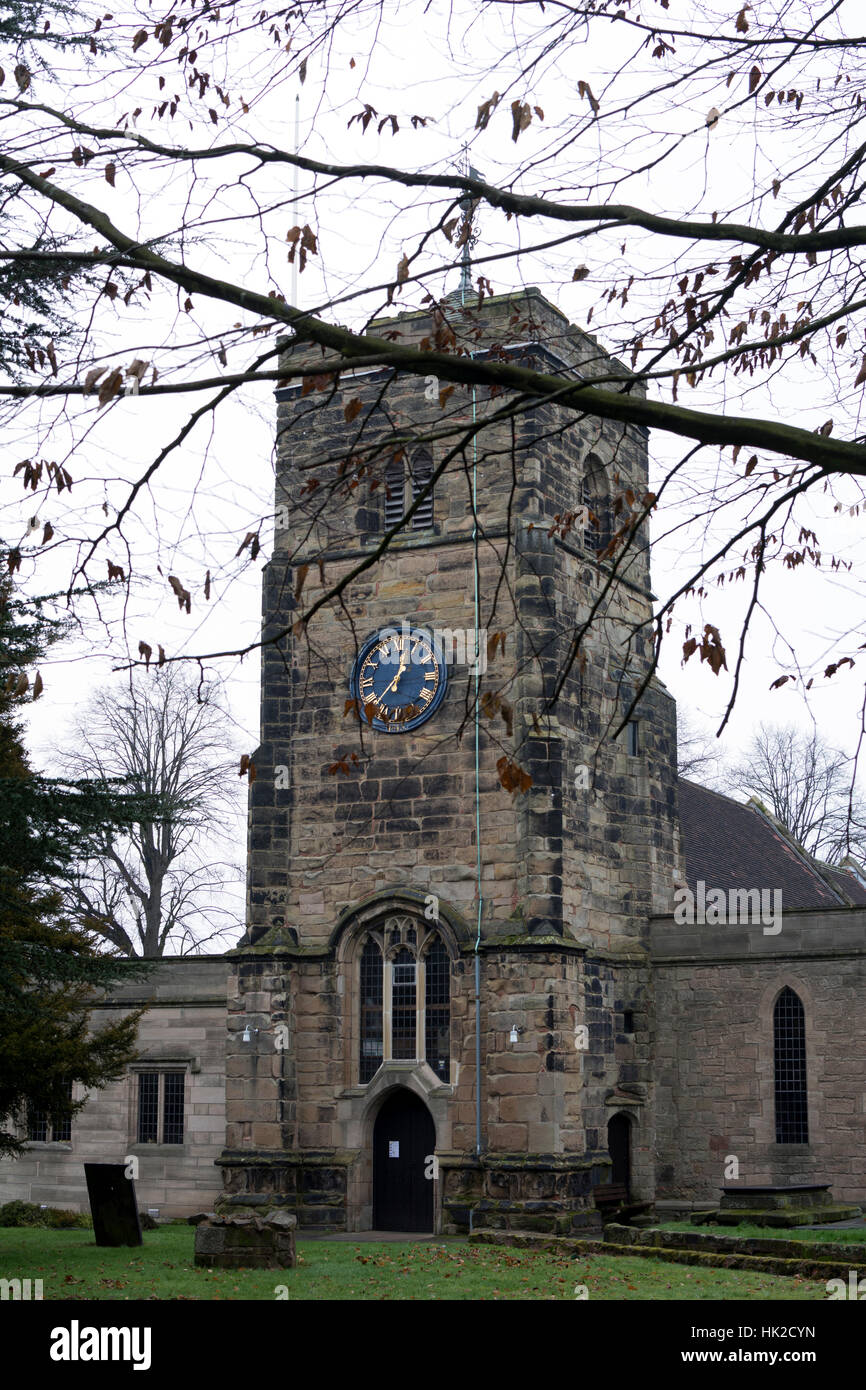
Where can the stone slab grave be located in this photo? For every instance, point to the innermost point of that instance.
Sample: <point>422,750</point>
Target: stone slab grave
<point>793,1204</point>
<point>112,1204</point>
<point>260,1241</point>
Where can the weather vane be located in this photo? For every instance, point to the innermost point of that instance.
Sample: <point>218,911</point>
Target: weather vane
<point>468,234</point>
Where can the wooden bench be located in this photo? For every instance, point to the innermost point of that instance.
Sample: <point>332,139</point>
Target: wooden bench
<point>608,1197</point>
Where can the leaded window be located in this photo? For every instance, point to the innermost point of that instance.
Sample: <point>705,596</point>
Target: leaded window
<point>437,1010</point>
<point>789,1060</point>
<point>404,998</point>
<point>403,1006</point>
<point>371,1010</point>
<point>45,1128</point>
<point>160,1107</point>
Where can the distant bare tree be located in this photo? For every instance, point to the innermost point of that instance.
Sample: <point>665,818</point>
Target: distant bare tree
<point>807,785</point>
<point>157,887</point>
<point>698,753</point>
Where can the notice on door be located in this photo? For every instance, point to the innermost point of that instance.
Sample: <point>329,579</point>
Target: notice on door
<point>393,1148</point>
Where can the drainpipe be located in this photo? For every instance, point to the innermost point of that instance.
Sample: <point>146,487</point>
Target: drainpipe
<point>477,795</point>
<point>464,280</point>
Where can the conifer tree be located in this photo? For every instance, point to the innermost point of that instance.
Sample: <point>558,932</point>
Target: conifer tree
<point>49,968</point>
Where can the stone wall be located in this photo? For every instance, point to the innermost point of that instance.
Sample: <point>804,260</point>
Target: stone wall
<point>184,1029</point>
<point>715,992</point>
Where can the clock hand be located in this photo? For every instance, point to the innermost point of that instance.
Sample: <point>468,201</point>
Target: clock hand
<point>403,666</point>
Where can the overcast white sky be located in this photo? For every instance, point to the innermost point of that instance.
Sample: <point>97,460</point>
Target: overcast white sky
<point>414,68</point>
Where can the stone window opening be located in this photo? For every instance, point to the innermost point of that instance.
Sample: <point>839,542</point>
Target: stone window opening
<point>402,487</point>
<point>160,1106</point>
<point>595,497</point>
<point>789,1067</point>
<point>404,999</point>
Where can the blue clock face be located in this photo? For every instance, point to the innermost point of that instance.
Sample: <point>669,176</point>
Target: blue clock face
<point>399,679</point>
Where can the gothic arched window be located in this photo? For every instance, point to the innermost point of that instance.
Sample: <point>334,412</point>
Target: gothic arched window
<point>437,1010</point>
<point>405,998</point>
<point>789,1065</point>
<point>404,1006</point>
<point>371,1010</point>
<point>595,497</point>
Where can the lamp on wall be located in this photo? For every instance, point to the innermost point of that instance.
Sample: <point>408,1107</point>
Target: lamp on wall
<point>248,1034</point>
<point>515,1033</point>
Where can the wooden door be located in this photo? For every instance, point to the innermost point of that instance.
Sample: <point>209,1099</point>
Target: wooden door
<point>404,1138</point>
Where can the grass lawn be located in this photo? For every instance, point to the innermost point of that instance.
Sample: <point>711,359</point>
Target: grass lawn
<point>72,1267</point>
<point>855,1236</point>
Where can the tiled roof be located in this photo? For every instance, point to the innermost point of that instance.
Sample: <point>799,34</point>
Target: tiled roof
<point>731,845</point>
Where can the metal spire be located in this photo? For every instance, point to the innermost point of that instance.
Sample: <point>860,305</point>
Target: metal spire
<point>468,205</point>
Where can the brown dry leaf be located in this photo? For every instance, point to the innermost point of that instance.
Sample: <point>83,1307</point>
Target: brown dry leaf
<point>22,76</point>
<point>140,38</point>
<point>352,409</point>
<point>182,595</point>
<point>754,78</point>
<point>248,538</point>
<point>485,111</point>
<point>402,269</point>
<point>37,686</point>
<point>92,377</point>
<point>145,650</point>
<point>584,90</point>
<point>111,386</point>
<point>521,117</point>
<point>110,171</point>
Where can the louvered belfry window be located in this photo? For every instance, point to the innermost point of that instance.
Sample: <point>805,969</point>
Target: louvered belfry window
<point>395,493</point>
<point>789,1060</point>
<point>422,472</point>
<point>402,489</point>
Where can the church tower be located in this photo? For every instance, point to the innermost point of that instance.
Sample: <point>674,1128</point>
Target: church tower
<point>440,1016</point>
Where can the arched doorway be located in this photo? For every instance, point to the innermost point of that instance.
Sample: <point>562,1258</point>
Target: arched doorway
<point>404,1138</point>
<point>619,1148</point>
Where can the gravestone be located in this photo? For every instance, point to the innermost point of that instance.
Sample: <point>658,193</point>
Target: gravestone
<point>112,1204</point>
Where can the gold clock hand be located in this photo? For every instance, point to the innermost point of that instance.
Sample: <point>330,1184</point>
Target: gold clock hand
<point>392,686</point>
